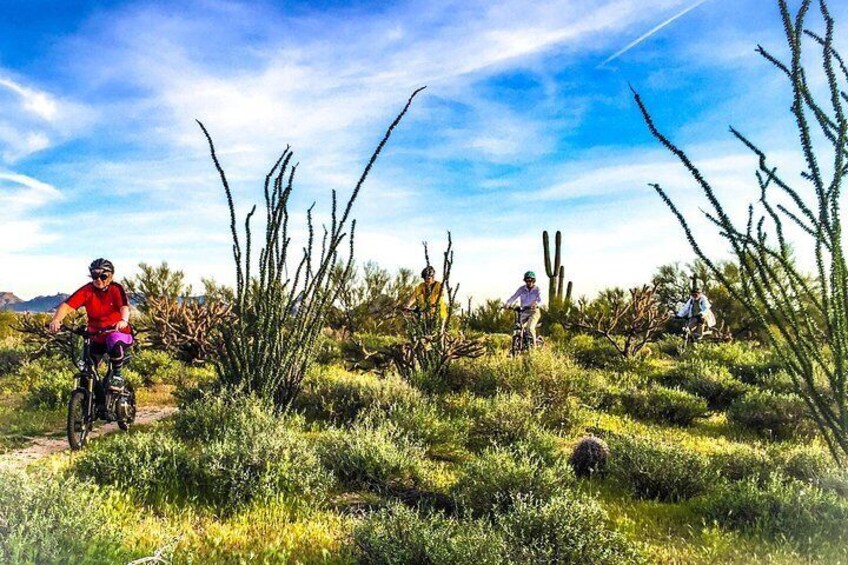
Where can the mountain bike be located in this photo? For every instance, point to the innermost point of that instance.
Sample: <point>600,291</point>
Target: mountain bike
<point>95,398</point>
<point>692,336</point>
<point>521,338</point>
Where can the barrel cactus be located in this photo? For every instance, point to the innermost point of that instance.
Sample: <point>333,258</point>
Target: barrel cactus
<point>589,457</point>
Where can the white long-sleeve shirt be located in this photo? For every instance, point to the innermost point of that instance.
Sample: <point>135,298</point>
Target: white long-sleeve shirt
<point>701,306</point>
<point>527,297</point>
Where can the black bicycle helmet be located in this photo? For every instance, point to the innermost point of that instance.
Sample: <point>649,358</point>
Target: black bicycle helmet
<point>428,272</point>
<point>101,264</point>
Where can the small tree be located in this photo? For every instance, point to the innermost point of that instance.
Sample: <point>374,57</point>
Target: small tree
<point>280,306</point>
<point>806,318</point>
<point>628,321</point>
<point>156,282</point>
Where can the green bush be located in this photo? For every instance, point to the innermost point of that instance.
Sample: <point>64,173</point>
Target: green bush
<point>564,529</point>
<point>443,437</point>
<point>501,419</point>
<point>782,509</point>
<point>399,534</point>
<point>154,465</point>
<point>777,381</point>
<point>339,396</point>
<point>223,452</point>
<point>770,414</point>
<point>593,352</point>
<point>239,468</point>
<point>11,359</point>
<point>655,470</point>
<point>548,376</point>
<point>55,520</point>
<point>739,462</point>
<point>747,363</point>
<point>707,380</point>
<point>491,482</point>
<point>663,405</point>
<point>379,458</point>
<point>47,382</point>
<point>811,464</point>
<point>155,367</point>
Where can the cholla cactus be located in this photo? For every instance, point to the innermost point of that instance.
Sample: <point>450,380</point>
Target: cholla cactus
<point>589,457</point>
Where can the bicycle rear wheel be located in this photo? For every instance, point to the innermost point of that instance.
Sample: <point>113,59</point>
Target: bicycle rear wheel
<point>79,420</point>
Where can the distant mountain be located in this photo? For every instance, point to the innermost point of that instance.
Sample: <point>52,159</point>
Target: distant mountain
<point>8,300</point>
<point>37,304</point>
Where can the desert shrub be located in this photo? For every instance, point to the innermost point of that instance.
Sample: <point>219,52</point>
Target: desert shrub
<point>442,436</point>
<point>747,363</point>
<point>739,461</point>
<point>655,470</point>
<point>565,529</point>
<point>216,416</point>
<point>708,380</point>
<point>378,458</point>
<point>399,534</point>
<point>771,414</point>
<point>592,352</point>
<point>491,482</point>
<point>241,467</point>
<point>155,367</point>
<point>549,377</point>
<point>153,465</point>
<point>668,345</point>
<point>8,323</point>
<point>777,381</point>
<point>55,519</point>
<point>663,405</point>
<point>501,419</point>
<point>46,382</point>
<point>781,509</point>
<point>811,464</point>
<point>339,396</point>
<point>11,358</point>
<point>224,452</point>
<point>589,457</point>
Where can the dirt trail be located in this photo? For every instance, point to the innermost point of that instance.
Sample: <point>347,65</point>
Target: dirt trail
<point>44,446</point>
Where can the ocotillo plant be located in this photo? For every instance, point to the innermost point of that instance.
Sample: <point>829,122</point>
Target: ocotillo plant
<point>555,271</point>
<point>804,315</point>
<point>269,344</point>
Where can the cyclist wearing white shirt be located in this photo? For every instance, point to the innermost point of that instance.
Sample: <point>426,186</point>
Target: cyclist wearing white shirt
<point>698,312</point>
<point>529,299</point>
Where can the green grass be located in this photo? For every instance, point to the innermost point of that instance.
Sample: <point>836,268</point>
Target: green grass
<point>479,472</point>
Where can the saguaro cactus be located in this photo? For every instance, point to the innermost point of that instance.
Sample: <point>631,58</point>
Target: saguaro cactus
<point>555,271</point>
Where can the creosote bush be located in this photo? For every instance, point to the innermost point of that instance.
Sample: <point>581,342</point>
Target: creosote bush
<point>663,405</point>
<point>490,483</point>
<point>339,396</point>
<point>55,519</point>
<point>565,530</point>
<point>781,509</point>
<point>224,452</point>
<point>770,414</point>
<point>708,380</point>
<point>379,458</point>
<point>656,470</point>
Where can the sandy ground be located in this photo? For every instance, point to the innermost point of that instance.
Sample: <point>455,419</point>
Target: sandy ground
<point>44,446</point>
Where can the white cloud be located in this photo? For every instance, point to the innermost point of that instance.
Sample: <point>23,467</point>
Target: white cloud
<point>39,103</point>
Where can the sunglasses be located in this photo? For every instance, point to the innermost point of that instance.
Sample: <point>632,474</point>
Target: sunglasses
<point>101,276</point>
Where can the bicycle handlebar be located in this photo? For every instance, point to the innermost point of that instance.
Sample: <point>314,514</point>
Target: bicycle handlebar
<point>81,331</point>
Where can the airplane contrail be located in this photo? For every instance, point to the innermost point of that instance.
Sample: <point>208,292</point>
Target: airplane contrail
<point>651,32</point>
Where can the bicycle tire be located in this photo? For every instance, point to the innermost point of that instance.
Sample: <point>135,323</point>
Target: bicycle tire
<point>79,422</point>
<point>125,424</point>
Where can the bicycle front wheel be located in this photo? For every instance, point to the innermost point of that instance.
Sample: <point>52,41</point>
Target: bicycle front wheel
<point>79,420</point>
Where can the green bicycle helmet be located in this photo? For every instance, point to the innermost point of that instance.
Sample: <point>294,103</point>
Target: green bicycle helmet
<point>530,275</point>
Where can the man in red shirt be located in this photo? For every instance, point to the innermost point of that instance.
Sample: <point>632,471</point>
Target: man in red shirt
<point>106,306</point>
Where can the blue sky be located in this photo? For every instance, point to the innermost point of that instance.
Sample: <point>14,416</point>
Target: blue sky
<point>522,127</point>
